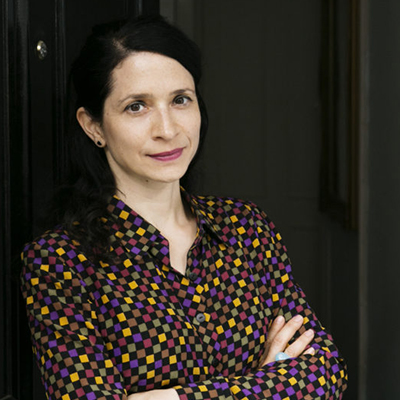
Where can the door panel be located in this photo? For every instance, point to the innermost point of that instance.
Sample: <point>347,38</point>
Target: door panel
<point>33,119</point>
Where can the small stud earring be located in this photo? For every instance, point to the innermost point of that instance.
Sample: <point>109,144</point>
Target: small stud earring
<point>99,144</point>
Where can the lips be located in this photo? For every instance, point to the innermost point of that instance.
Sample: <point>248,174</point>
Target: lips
<point>168,155</point>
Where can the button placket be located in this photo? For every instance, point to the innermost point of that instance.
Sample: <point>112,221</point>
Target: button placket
<point>200,317</point>
<point>193,276</point>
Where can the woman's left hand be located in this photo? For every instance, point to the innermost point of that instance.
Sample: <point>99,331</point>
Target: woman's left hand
<point>279,336</point>
<point>159,394</point>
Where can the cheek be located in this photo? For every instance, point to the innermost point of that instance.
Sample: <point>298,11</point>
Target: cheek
<point>195,136</point>
<point>121,136</point>
<point>195,124</point>
<point>121,145</point>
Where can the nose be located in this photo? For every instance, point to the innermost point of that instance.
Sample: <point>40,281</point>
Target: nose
<point>166,126</point>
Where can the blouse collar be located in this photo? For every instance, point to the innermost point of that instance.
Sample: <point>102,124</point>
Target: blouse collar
<point>138,234</point>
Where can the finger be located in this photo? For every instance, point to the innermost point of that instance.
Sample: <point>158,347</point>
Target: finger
<point>310,351</point>
<point>300,344</point>
<point>276,326</point>
<point>282,338</point>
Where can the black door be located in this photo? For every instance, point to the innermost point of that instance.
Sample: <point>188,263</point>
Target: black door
<point>39,39</point>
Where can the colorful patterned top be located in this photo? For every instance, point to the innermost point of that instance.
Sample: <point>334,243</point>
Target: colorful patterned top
<point>102,331</point>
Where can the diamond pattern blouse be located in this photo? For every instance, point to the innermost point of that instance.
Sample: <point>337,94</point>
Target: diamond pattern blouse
<point>104,331</point>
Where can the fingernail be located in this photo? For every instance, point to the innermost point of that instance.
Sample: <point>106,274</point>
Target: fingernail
<point>310,351</point>
<point>309,333</point>
<point>298,318</point>
<point>280,318</point>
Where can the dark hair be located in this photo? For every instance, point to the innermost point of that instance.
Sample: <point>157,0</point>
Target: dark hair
<point>81,201</point>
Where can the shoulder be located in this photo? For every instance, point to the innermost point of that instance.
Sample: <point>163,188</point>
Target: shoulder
<point>223,204</point>
<point>51,240</point>
<point>241,214</point>
<point>52,247</point>
<point>53,263</point>
<point>242,223</point>
<point>230,206</point>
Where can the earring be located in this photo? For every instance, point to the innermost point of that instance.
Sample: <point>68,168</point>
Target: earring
<point>99,143</point>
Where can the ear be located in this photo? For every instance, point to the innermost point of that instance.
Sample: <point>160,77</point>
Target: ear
<point>91,127</point>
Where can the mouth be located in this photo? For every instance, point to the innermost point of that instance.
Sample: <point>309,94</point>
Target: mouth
<point>168,155</point>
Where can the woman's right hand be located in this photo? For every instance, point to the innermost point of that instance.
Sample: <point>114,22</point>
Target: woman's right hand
<point>281,333</point>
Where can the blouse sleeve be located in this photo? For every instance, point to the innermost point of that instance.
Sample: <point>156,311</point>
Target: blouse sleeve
<point>321,376</point>
<point>68,346</point>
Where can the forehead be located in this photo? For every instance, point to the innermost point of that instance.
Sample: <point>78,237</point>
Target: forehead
<point>145,70</point>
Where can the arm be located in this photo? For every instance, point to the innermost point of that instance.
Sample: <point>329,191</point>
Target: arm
<point>67,343</point>
<point>316,372</point>
<point>310,376</point>
<point>279,336</point>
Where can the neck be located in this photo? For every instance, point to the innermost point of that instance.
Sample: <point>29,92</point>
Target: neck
<point>160,203</point>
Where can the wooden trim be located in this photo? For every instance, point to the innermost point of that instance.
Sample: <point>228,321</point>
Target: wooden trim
<point>60,92</point>
<point>354,107</point>
<point>15,362</point>
<point>343,207</point>
<point>363,218</point>
<point>329,198</point>
<point>4,201</point>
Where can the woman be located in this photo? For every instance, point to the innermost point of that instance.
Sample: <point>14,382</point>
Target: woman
<point>145,291</point>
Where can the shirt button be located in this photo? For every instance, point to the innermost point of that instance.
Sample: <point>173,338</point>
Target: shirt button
<point>200,317</point>
<point>193,276</point>
<point>214,362</point>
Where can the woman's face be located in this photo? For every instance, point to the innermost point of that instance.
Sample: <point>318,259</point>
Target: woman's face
<point>151,120</point>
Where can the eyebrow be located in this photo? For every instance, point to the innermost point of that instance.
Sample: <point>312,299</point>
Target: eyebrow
<point>134,96</point>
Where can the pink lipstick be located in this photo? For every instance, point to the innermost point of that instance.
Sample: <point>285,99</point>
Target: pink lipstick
<point>168,155</point>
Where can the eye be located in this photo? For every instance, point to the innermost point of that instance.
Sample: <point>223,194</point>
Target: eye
<point>182,100</point>
<point>135,107</point>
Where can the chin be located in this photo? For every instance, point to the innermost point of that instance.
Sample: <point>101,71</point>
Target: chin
<point>174,174</point>
<point>170,178</point>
